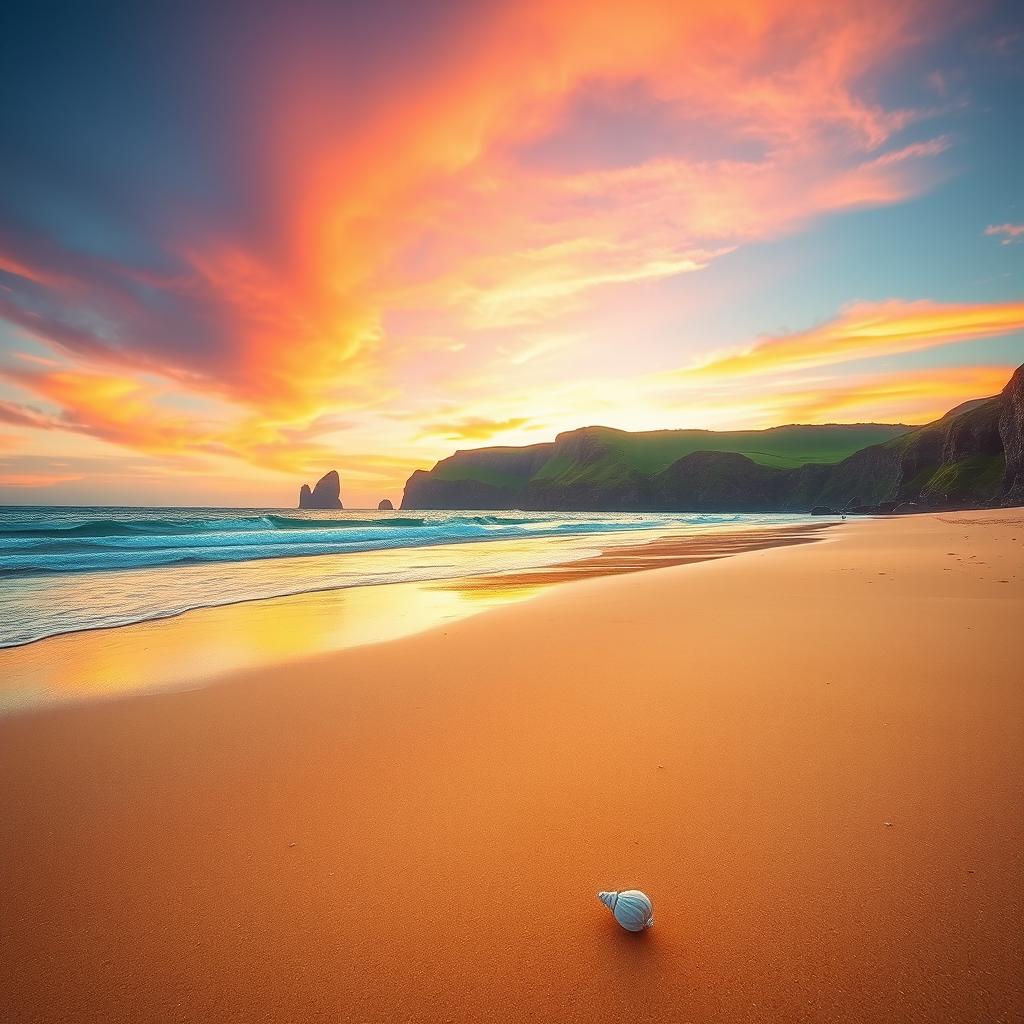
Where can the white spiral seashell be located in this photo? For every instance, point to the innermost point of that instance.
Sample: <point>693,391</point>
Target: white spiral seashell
<point>632,908</point>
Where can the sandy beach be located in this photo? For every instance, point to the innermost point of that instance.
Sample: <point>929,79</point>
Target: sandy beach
<point>811,757</point>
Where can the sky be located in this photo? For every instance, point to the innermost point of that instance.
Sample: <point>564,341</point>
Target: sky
<point>243,245</point>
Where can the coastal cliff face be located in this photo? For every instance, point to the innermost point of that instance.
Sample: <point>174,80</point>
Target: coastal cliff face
<point>973,456</point>
<point>482,478</point>
<point>326,493</point>
<point>601,469</point>
<point>1011,431</point>
<point>955,461</point>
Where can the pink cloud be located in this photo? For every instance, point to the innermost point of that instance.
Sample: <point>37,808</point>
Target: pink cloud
<point>1009,233</point>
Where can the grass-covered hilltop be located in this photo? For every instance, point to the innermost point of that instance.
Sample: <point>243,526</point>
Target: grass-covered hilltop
<point>970,457</point>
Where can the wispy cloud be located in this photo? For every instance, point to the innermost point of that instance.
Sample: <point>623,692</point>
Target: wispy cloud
<point>474,428</point>
<point>915,396</point>
<point>27,480</point>
<point>1009,233</point>
<point>870,329</point>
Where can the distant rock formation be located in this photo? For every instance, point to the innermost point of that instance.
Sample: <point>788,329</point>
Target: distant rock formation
<point>326,493</point>
<point>972,457</point>
<point>385,505</point>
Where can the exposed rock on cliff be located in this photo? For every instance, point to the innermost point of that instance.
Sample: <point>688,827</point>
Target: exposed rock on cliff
<point>326,493</point>
<point>1011,433</point>
<point>955,461</point>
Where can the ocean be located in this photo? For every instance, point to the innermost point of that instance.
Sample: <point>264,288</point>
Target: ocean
<point>67,569</point>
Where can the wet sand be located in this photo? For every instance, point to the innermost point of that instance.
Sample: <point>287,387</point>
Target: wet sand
<point>653,554</point>
<point>201,646</point>
<point>811,757</point>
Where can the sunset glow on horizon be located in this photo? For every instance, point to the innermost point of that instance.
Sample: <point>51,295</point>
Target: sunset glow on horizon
<point>238,252</point>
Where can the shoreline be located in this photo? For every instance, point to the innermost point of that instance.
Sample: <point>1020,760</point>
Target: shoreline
<point>81,665</point>
<point>51,591</point>
<point>810,757</point>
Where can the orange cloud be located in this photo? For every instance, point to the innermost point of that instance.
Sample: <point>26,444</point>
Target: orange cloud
<point>866,330</point>
<point>118,409</point>
<point>135,414</point>
<point>911,396</point>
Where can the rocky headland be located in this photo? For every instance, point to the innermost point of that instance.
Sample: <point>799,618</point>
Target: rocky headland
<point>971,457</point>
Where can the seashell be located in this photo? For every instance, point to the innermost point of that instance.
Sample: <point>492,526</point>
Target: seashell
<point>632,908</point>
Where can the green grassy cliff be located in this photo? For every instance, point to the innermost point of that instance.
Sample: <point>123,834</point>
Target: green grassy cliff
<point>957,460</point>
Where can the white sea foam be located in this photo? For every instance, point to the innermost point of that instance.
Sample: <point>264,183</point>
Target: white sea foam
<point>68,569</point>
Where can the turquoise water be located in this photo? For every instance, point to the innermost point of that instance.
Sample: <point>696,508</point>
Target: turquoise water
<point>68,569</point>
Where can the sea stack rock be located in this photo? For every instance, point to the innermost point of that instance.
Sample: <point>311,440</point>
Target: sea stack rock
<point>385,506</point>
<point>326,493</point>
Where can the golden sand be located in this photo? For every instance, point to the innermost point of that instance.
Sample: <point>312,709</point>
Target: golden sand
<point>810,757</point>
